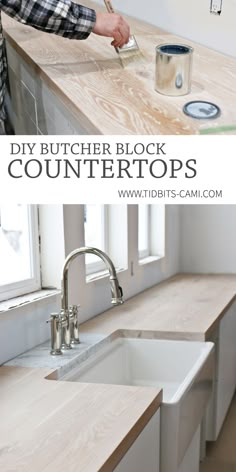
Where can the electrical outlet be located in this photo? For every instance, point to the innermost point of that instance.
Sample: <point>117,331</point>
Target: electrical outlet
<point>216,7</point>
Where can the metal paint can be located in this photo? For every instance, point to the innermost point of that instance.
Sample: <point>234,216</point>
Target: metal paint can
<point>173,69</point>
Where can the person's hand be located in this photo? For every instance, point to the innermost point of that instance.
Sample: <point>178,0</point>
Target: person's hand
<point>114,26</point>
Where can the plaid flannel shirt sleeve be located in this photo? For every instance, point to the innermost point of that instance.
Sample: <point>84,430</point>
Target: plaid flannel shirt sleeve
<point>62,17</point>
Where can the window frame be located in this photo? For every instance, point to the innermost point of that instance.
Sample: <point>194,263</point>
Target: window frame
<point>144,253</point>
<point>156,230</point>
<point>25,286</point>
<point>98,266</point>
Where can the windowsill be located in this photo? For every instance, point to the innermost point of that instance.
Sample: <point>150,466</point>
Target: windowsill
<point>26,299</point>
<point>149,259</point>
<point>100,275</point>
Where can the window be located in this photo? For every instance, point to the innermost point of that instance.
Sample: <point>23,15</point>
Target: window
<point>105,227</point>
<point>95,235</point>
<point>151,231</point>
<point>19,250</point>
<point>143,231</point>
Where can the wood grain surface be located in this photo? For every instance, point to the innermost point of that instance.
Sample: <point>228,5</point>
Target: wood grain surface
<point>186,306</point>
<point>111,94</point>
<point>50,426</point>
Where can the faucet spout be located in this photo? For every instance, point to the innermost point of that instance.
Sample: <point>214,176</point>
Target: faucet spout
<point>116,290</point>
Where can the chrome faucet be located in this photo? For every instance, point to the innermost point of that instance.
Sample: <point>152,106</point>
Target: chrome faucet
<point>65,325</point>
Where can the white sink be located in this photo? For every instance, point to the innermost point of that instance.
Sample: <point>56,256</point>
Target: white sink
<point>183,369</point>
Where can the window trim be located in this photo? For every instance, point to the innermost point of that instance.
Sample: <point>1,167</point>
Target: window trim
<point>98,266</point>
<point>156,231</point>
<point>144,253</point>
<point>25,286</point>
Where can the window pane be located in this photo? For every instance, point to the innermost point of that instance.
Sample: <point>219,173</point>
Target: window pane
<point>94,228</point>
<point>15,247</point>
<point>143,230</point>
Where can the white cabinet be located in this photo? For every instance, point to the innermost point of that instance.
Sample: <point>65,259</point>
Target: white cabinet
<point>225,375</point>
<point>144,454</point>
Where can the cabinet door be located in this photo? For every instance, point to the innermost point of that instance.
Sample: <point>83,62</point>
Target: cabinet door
<point>144,453</point>
<point>226,378</point>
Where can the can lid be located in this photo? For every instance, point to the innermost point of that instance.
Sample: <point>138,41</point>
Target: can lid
<point>201,110</point>
<point>174,49</point>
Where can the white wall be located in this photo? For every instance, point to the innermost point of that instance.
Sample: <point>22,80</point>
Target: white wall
<point>24,327</point>
<point>188,19</point>
<point>208,238</point>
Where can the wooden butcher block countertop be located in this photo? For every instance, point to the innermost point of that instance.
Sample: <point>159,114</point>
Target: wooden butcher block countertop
<point>51,426</point>
<point>55,426</point>
<point>110,94</point>
<point>186,306</point>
